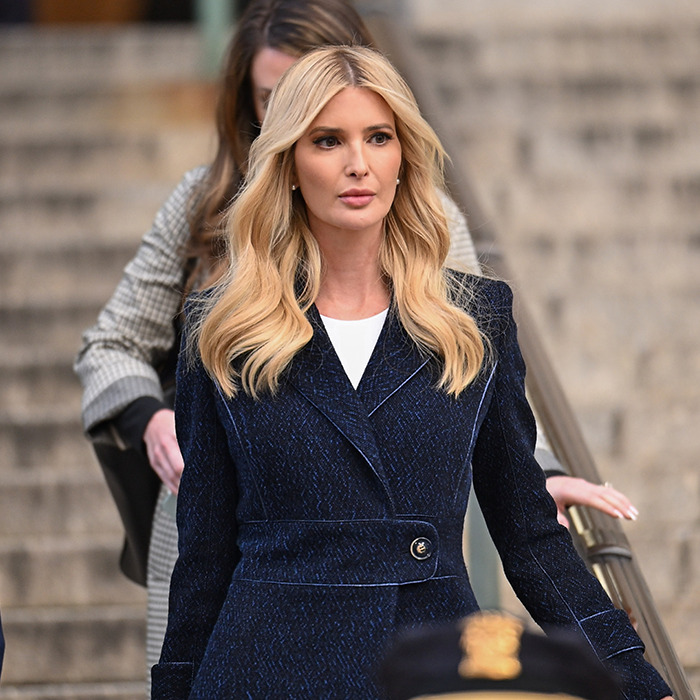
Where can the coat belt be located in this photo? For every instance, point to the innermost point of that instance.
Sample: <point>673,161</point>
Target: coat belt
<point>338,553</point>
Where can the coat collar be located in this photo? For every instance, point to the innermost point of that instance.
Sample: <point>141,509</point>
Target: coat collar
<point>318,374</point>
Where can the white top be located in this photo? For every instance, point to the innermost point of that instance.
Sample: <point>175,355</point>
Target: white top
<point>354,342</point>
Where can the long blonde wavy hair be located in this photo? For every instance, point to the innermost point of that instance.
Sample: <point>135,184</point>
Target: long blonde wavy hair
<point>255,321</point>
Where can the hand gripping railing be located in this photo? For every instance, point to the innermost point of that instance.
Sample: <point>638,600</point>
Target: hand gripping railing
<point>598,537</point>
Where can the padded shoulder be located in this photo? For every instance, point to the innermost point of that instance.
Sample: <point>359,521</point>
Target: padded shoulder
<point>489,301</point>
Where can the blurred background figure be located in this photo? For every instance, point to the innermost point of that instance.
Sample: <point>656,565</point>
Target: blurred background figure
<point>491,654</point>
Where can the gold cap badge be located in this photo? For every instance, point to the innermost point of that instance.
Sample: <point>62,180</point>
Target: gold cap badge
<point>490,642</point>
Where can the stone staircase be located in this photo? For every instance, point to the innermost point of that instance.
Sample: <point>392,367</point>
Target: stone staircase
<point>97,127</point>
<point>580,123</point>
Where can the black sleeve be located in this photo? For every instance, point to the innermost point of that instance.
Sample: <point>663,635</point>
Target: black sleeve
<point>132,421</point>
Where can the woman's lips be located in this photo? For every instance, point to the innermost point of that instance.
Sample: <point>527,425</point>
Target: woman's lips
<point>357,198</point>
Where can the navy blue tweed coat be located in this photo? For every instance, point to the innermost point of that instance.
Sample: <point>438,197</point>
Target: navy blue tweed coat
<point>315,523</point>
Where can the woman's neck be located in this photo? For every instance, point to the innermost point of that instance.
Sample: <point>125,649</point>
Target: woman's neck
<point>352,287</point>
<point>349,299</point>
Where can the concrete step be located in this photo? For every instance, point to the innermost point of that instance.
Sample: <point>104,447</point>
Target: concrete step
<point>62,274</point>
<point>28,328</point>
<point>666,122</point>
<point>38,384</point>
<point>654,152</point>
<point>28,110</point>
<point>45,444</point>
<point>39,357</point>
<point>494,71</point>
<point>76,691</point>
<point>41,571</point>
<point>640,50</point>
<point>120,214</point>
<point>66,645</point>
<point>137,134</point>
<point>44,104</point>
<point>449,16</point>
<point>35,503</point>
<point>40,160</point>
<point>465,80</point>
<point>587,204</point>
<point>95,56</point>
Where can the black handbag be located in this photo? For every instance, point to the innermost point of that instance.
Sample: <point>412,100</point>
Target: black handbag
<point>134,486</point>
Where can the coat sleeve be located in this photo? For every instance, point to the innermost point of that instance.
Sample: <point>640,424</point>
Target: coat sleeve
<point>462,250</point>
<point>207,532</point>
<point>537,553</point>
<point>134,331</point>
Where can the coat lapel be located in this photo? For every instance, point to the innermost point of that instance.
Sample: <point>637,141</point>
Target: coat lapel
<point>394,361</point>
<point>318,375</point>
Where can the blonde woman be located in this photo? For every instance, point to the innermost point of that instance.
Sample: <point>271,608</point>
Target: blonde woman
<point>126,362</point>
<point>337,386</point>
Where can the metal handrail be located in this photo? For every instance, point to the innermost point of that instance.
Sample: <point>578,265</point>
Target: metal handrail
<point>598,537</point>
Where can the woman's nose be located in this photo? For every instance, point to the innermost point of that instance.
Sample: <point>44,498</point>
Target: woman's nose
<point>357,162</point>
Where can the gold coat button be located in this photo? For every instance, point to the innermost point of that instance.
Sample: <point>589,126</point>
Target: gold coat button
<point>421,548</point>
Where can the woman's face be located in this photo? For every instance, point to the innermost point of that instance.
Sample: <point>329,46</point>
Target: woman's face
<point>265,70</point>
<point>346,164</point>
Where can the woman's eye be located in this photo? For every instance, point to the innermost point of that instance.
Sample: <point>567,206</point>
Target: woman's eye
<point>381,138</point>
<point>326,141</point>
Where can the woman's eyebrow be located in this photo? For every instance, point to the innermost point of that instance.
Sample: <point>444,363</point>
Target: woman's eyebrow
<point>376,127</point>
<point>338,130</point>
<point>325,130</point>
